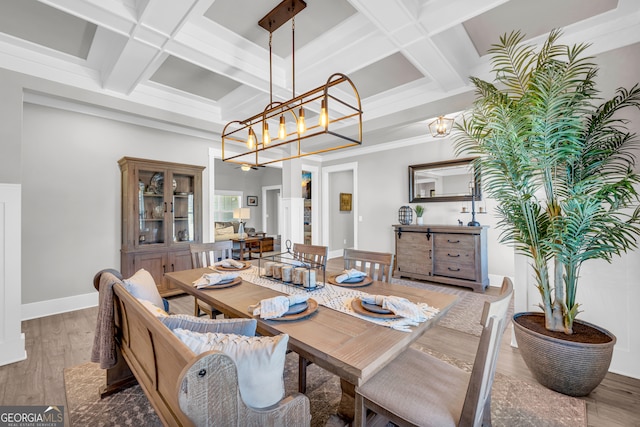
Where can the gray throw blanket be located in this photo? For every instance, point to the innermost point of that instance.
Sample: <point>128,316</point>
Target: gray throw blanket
<point>104,343</point>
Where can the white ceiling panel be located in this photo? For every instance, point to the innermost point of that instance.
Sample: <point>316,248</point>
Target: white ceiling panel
<point>209,59</point>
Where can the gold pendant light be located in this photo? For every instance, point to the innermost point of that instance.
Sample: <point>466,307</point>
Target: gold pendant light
<point>336,129</point>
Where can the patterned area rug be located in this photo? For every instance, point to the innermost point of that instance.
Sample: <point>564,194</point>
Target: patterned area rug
<point>465,315</point>
<point>514,402</point>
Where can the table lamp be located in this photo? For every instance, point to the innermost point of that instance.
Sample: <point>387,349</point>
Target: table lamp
<point>240,214</point>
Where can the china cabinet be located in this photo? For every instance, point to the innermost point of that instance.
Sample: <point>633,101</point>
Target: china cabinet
<point>161,216</point>
<point>455,255</point>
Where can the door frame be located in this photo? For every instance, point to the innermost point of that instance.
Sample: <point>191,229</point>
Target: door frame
<point>265,189</point>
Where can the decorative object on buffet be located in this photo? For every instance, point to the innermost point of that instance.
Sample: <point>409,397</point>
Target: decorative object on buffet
<point>405,215</point>
<point>332,124</point>
<point>473,222</point>
<point>419,212</point>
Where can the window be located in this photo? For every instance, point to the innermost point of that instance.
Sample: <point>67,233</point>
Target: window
<point>224,202</point>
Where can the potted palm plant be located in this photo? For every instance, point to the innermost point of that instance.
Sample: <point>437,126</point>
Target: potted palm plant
<point>560,165</point>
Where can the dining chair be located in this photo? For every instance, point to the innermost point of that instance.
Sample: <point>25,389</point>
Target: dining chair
<point>377,265</point>
<point>318,256</point>
<point>417,389</point>
<point>311,253</point>
<point>204,255</point>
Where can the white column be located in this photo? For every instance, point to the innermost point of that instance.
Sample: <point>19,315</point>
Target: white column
<point>12,347</point>
<point>292,203</point>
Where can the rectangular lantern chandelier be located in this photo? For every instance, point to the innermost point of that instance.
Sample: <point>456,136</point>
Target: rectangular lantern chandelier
<point>324,119</point>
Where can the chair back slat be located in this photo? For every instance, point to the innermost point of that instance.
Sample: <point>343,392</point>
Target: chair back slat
<point>377,265</point>
<point>311,253</point>
<point>206,254</point>
<point>477,404</point>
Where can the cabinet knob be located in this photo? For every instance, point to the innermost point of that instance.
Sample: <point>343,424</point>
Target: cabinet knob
<point>453,241</point>
<point>453,269</point>
<point>453,256</point>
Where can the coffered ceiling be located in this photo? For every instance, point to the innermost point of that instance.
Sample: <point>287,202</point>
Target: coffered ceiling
<point>209,59</point>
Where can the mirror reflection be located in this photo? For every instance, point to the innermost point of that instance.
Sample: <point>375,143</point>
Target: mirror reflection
<point>444,182</point>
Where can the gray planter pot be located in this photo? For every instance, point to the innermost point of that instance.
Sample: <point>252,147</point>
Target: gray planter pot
<point>570,368</point>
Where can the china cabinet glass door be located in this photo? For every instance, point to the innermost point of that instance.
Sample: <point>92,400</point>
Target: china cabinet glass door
<point>183,209</point>
<point>152,207</point>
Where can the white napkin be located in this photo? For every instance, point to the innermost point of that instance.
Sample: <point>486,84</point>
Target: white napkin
<point>229,263</point>
<point>349,274</point>
<point>209,279</point>
<point>298,263</point>
<point>397,305</point>
<point>277,306</point>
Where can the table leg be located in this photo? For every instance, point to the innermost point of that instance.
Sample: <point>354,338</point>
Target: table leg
<point>302,374</point>
<point>348,400</point>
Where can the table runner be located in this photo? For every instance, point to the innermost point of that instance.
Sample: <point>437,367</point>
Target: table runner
<point>336,298</point>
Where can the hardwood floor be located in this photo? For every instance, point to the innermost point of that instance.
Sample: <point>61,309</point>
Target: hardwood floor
<point>64,340</point>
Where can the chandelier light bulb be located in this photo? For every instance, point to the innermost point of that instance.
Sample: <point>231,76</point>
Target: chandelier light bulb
<point>251,140</point>
<point>302,126</point>
<point>282,129</point>
<point>266,138</point>
<point>324,119</point>
<point>245,167</point>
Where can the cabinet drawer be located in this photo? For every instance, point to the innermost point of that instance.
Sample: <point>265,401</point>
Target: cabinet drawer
<point>454,256</point>
<point>453,241</point>
<point>453,269</point>
<point>459,256</point>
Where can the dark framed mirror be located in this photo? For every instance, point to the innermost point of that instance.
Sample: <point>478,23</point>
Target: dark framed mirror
<point>448,181</point>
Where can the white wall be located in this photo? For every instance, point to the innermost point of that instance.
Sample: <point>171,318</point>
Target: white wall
<point>383,187</point>
<point>71,194</point>
<point>341,231</point>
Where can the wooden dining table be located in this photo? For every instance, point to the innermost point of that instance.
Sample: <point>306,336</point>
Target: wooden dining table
<point>350,347</point>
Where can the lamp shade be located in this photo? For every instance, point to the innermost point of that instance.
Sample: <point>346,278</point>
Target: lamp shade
<point>242,213</point>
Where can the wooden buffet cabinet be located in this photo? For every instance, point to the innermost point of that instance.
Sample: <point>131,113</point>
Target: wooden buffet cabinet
<point>159,221</point>
<point>450,254</point>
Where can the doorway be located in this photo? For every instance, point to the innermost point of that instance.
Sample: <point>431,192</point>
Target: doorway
<point>270,209</point>
<point>339,227</point>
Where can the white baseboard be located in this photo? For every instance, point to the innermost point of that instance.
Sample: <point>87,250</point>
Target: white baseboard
<point>12,351</point>
<point>38,309</point>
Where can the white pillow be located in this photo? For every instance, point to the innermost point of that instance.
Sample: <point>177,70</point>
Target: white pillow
<point>259,361</point>
<point>225,231</point>
<point>200,324</point>
<point>141,285</point>
<point>155,310</point>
